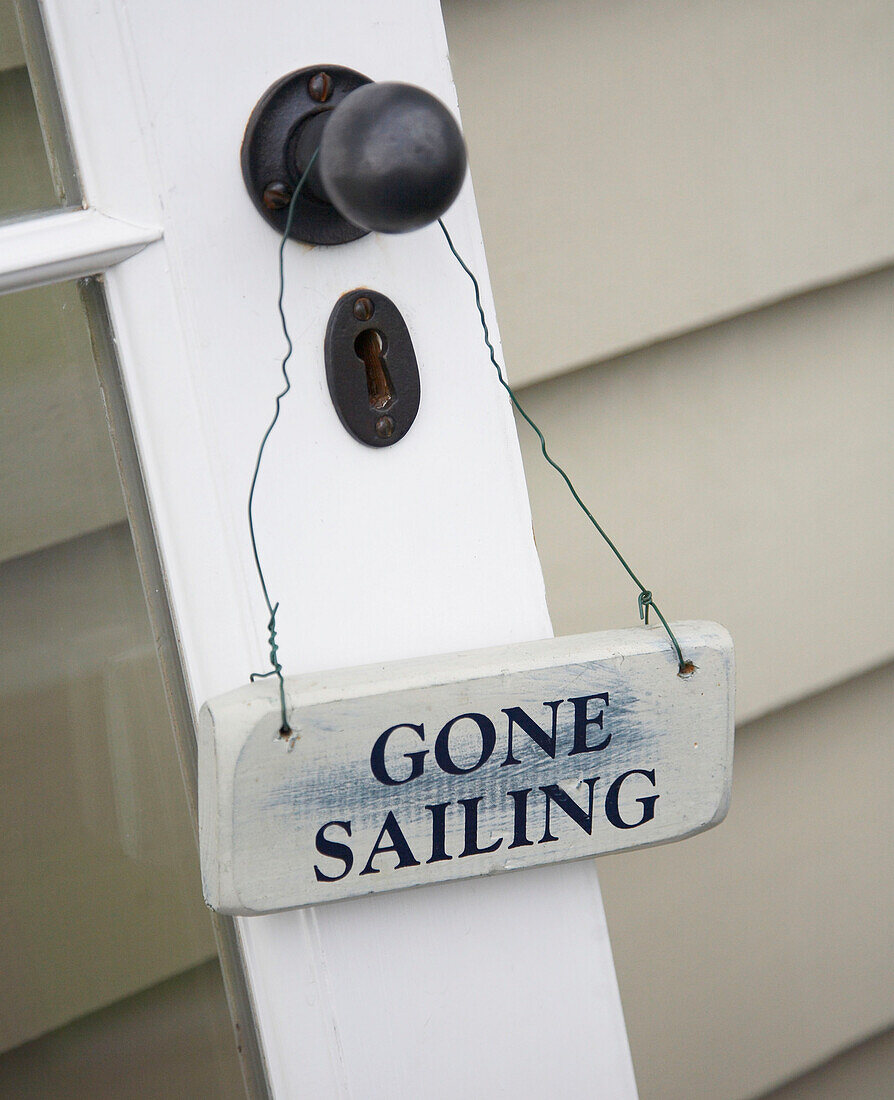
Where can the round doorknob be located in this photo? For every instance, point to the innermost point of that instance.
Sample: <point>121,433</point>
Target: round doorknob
<point>389,157</point>
<point>392,158</point>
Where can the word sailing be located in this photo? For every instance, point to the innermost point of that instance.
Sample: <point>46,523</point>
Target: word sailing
<point>485,738</point>
<point>437,769</point>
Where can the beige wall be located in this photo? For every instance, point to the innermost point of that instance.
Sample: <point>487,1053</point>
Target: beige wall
<point>645,167</point>
<point>642,171</point>
<point>753,952</point>
<point>746,471</point>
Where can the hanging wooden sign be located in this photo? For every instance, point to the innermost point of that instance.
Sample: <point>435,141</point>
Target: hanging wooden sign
<point>468,764</point>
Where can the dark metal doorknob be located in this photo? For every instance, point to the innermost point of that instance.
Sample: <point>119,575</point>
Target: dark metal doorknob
<point>390,157</point>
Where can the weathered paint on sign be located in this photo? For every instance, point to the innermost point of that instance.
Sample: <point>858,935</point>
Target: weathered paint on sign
<point>467,764</point>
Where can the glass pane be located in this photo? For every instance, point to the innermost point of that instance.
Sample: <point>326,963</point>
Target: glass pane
<point>27,181</point>
<point>169,1041</point>
<point>103,931</point>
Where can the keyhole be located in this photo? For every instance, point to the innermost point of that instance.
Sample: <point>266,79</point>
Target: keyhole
<point>370,349</point>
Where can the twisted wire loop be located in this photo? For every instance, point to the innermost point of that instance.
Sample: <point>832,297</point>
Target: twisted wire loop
<point>644,600</point>
<point>276,669</point>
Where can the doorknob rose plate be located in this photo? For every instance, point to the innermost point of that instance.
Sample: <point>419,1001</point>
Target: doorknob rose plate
<point>271,158</point>
<point>383,157</point>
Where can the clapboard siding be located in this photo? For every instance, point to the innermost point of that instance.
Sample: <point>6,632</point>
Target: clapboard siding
<point>644,168</point>
<point>746,471</point>
<point>645,171</point>
<point>748,955</point>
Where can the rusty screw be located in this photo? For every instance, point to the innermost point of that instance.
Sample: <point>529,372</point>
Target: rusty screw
<point>319,87</point>
<point>384,427</point>
<point>277,195</point>
<point>363,309</point>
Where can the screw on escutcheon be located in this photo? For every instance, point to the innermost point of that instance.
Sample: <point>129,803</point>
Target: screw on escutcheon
<point>363,309</point>
<point>276,195</point>
<point>384,427</point>
<point>319,87</point>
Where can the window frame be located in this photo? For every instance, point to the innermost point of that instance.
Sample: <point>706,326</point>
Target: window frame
<point>323,990</point>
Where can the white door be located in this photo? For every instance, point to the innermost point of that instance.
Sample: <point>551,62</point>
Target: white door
<point>492,987</point>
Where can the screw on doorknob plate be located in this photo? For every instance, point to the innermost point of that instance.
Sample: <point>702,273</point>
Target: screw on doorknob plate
<point>277,195</point>
<point>319,87</point>
<point>371,368</point>
<point>363,309</point>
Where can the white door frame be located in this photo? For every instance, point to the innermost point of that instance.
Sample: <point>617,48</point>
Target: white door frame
<point>483,987</point>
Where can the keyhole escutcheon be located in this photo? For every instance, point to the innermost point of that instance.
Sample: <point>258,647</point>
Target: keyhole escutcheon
<point>371,368</point>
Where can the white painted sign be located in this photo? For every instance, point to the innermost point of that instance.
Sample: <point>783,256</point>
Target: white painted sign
<point>468,764</point>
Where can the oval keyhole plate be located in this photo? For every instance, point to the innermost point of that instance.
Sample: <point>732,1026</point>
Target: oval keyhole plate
<point>371,368</point>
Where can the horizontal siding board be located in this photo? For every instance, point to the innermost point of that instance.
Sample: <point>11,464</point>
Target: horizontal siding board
<point>745,471</point>
<point>644,169</point>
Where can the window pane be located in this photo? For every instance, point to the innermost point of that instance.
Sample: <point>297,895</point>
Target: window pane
<point>99,876</point>
<point>172,1040</point>
<point>26,179</point>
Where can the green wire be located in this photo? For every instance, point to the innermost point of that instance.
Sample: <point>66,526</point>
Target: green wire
<point>644,600</point>
<point>276,670</point>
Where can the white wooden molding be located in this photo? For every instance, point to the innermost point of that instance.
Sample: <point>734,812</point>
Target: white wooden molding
<point>53,247</point>
<point>421,548</point>
<point>443,768</point>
